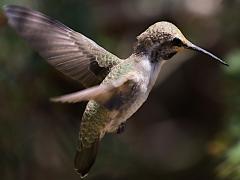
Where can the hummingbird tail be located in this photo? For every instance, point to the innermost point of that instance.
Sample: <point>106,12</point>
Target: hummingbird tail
<point>85,158</point>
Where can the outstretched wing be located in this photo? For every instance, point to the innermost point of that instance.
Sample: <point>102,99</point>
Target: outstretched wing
<point>68,51</point>
<point>104,94</point>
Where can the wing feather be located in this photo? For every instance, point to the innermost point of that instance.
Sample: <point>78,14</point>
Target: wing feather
<point>68,51</point>
<point>102,93</point>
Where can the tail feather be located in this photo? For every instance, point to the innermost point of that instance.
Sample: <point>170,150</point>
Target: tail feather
<point>85,158</point>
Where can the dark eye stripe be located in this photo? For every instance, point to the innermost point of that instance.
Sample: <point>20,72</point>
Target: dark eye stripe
<point>177,42</point>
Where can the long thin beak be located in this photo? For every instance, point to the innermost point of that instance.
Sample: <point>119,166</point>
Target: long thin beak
<point>198,49</point>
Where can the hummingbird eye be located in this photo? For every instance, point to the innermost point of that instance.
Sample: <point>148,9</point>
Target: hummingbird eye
<point>177,42</point>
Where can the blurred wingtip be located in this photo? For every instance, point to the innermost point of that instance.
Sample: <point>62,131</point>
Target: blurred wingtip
<point>53,100</point>
<point>4,7</point>
<point>7,6</point>
<point>56,100</point>
<point>62,99</point>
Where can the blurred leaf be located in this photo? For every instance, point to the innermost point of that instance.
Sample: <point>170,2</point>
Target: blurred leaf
<point>230,168</point>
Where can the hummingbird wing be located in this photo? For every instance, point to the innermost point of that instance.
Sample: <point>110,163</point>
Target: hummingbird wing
<point>102,93</point>
<point>68,51</point>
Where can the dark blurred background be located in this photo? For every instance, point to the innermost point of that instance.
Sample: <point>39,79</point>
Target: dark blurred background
<point>189,129</point>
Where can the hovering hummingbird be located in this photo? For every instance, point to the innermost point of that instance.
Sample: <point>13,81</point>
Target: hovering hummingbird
<point>116,88</point>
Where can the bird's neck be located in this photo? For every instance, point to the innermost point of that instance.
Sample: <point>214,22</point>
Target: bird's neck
<point>149,68</point>
<point>153,56</point>
<point>152,53</point>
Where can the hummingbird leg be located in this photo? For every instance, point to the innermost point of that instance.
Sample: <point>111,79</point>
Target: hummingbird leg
<point>121,128</point>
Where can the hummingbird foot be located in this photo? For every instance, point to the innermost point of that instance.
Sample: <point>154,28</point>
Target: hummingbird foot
<point>121,128</point>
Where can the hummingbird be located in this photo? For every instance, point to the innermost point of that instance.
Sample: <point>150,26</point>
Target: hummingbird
<point>115,88</point>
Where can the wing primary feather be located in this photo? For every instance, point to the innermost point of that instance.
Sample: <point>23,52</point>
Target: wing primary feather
<point>101,93</point>
<point>83,95</point>
<point>14,9</point>
<point>70,52</point>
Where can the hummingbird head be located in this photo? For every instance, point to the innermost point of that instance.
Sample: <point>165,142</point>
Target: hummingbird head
<point>163,40</point>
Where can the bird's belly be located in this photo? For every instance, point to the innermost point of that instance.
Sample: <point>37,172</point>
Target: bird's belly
<point>125,112</point>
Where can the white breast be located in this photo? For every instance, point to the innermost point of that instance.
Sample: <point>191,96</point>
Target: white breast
<point>148,73</point>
